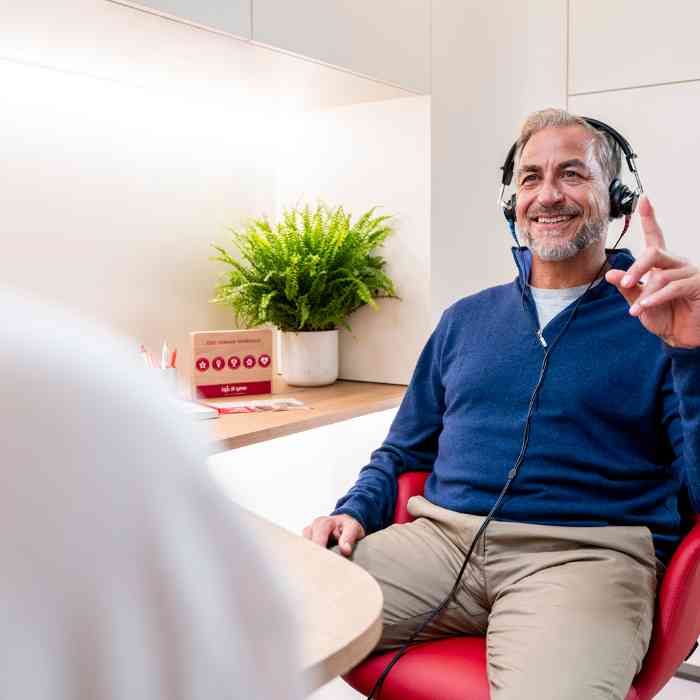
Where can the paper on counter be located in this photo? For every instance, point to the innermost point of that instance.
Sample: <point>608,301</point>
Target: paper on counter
<point>197,410</point>
<point>257,405</point>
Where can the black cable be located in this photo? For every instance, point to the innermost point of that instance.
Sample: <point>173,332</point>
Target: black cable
<point>511,474</point>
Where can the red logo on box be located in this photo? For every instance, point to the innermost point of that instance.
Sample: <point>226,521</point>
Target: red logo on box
<point>234,362</point>
<point>264,360</point>
<point>218,363</point>
<point>202,364</point>
<point>249,361</point>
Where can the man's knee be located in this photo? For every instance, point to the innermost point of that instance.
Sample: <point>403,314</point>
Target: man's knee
<point>568,665</point>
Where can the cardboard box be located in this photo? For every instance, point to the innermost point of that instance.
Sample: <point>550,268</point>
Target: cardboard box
<point>231,363</point>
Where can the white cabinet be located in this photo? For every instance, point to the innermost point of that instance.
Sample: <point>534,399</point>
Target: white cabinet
<point>627,43</point>
<point>388,40</point>
<point>661,124</point>
<point>230,16</point>
<point>293,479</point>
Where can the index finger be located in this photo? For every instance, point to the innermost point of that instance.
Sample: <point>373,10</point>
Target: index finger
<point>653,235</point>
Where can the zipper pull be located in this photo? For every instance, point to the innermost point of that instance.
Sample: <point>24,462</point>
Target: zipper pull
<point>540,337</point>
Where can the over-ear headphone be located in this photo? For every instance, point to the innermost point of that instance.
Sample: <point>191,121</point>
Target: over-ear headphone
<point>623,200</point>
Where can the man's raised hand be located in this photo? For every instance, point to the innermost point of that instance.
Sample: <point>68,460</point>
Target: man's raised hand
<point>668,302</point>
<point>344,528</point>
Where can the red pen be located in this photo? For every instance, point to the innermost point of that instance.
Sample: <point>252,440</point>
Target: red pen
<point>173,357</point>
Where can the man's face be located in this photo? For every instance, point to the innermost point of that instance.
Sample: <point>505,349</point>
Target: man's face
<point>562,200</point>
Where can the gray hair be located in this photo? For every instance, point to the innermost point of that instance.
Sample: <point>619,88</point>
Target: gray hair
<point>605,149</point>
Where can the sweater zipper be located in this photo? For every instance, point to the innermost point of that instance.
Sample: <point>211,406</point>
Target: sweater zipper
<point>532,313</point>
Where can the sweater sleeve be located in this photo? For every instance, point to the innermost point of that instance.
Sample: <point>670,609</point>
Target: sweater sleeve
<point>411,445</point>
<point>685,370</point>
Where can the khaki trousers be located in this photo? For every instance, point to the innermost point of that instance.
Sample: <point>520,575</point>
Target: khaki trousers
<point>567,611</point>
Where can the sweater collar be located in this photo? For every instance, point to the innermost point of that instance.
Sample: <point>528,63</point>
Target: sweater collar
<point>620,259</point>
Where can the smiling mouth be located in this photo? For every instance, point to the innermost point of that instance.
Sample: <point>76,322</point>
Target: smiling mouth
<point>553,219</point>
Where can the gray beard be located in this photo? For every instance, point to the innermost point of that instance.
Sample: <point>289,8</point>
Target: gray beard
<point>591,232</point>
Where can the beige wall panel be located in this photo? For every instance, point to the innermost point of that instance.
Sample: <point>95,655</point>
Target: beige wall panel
<point>492,64</point>
<point>627,43</point>
<point>361,156</point>
<point>661,124</point>
<point>387,40</point>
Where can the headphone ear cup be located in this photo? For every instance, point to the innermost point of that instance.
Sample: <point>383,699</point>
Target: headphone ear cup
<point>614,192</point>
<point>509,210</point>
<point>623,201</point>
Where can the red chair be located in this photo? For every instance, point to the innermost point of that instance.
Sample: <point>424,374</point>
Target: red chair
<point>455,668</point>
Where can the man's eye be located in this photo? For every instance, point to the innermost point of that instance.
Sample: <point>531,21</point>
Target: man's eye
<point>571,174</point>
<point>528,178</point>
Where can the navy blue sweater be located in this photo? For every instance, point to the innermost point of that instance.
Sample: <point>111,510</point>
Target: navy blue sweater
<point>615,432</point>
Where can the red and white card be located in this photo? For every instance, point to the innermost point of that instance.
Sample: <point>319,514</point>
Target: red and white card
<point>231,363</point>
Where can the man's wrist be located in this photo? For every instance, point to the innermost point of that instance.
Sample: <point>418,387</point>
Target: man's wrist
<point>672,344</point>
<point>353,514</point>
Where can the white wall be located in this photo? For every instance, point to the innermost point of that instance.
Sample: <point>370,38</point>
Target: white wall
<point>111,197</point>
<point>130,143</point>
<point>492,63</point>
<point>360,156</point>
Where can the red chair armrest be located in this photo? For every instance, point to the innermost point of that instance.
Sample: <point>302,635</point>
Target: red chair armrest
<point>409,484</point>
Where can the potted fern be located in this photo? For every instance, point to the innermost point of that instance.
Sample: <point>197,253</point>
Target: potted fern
<point>306,274</point>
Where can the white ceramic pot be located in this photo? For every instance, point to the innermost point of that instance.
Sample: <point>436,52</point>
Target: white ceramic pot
<point>310,358</point>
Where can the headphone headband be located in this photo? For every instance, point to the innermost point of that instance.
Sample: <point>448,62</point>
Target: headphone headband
<point>623,201</point>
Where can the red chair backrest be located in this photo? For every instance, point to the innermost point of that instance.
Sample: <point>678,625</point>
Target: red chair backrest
<point>677,620</point>
<point>409,484</point>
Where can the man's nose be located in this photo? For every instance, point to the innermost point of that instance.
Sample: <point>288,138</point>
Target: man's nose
<point>549,194</point>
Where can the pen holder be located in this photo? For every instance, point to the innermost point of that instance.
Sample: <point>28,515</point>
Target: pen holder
<point>168,377</point>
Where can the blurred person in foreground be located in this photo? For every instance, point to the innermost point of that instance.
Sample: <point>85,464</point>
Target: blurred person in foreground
<point>125,574</point>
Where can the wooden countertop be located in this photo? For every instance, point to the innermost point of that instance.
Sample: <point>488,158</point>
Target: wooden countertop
<point>326,404</point>
<point>337,604</point>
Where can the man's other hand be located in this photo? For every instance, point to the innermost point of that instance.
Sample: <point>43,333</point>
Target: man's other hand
<point>668,303</point>
<point>344,528</point>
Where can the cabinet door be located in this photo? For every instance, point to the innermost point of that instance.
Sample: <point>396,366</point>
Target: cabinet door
<point>661,124</point>
<point>230,16</point>
<point>627,43</point>
<point>387,40</point>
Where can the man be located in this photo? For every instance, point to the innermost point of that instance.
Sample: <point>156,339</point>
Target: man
<point>563,579</point>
